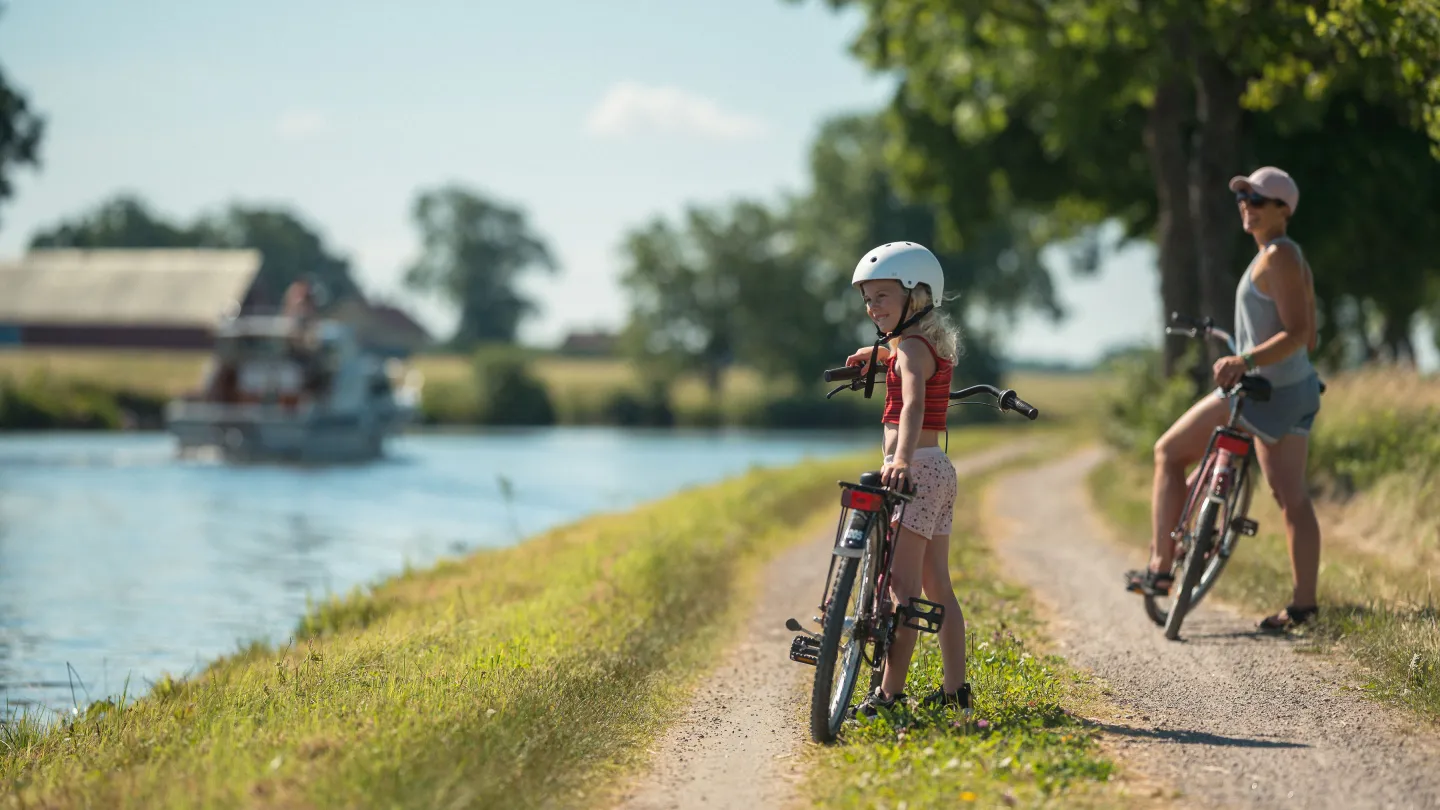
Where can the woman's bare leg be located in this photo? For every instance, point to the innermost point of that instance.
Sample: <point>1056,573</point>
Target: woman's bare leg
<point>1284,466</point>
<point>1181,446</point>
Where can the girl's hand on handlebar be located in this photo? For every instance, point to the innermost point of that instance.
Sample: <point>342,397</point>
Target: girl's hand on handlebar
<point>895,474</point>
<point>861,357</point>
<point>1229,370</point>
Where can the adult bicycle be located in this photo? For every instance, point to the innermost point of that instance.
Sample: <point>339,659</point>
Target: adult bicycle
<point>1217,504</point>
<point>858,618</point>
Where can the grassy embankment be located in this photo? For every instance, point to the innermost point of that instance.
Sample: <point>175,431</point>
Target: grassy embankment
<point>521,677</point>
<point>1375,473</point>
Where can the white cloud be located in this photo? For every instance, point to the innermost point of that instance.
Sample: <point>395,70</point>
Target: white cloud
<point>629,108</point>
<point>299,125</point>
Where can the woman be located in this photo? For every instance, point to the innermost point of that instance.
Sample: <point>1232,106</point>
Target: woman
<point>1274,332</point>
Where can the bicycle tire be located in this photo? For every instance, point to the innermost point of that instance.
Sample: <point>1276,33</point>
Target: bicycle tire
<point>1213,568</point>
<point>825,725</point>
<point>1194,568</point>
<point>1216,565</point>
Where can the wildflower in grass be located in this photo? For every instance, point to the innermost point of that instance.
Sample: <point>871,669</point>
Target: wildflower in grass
<point>967,796</point>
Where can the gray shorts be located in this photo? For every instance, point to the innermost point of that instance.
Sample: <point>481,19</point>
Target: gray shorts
<point>1291,410</point>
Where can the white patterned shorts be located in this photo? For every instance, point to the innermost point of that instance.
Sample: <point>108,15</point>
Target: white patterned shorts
<point>931,510</point>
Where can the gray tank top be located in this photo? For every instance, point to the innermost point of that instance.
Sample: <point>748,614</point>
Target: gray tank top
<point>1257,319</point>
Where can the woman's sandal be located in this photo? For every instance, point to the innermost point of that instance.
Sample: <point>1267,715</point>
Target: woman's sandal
<point>1292,616</point>
<point>1150,583</point>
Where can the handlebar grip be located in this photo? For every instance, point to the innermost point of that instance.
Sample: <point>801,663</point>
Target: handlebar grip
<point>1009,401</point>
<point>849,372</point>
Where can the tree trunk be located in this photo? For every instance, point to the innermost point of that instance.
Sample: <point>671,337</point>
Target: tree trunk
<point>1165,144</point>
<point>1213,162</point>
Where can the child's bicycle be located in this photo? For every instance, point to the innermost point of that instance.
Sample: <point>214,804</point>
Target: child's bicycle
<point>1219,496</point>
<point>857,618</point>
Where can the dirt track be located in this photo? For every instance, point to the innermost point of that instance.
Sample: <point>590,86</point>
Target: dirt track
<point>1229,717</point>
<point>737,745</point>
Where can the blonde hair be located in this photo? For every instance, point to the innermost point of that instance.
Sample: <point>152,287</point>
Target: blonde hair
<point>936,326</point>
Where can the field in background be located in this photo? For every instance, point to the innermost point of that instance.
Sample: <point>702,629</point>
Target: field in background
<point>582,390</point>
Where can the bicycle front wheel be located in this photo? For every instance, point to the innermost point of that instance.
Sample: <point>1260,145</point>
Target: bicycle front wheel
<point>838,661</point>
<point>1196,559</point>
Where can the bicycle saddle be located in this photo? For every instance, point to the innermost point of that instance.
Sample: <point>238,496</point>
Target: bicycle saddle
<point>872,479</point>
<point>1256,388</point>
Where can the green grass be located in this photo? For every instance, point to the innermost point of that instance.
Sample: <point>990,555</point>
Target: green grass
<point>1024,745</point>
<point>526,677</point>
<point>1378,606</point>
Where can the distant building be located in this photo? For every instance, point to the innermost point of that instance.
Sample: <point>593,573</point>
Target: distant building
<point>381,328</point>
<point>160,299</point>
<point>152,299</point>
<point>593,344</point>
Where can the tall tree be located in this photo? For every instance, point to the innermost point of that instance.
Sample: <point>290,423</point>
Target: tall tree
<point>1057,106</point>
<point>726,285</point>
<point>291,248</point>
<point>475,250</point>
<point>21,130</point>
<point>123,221</point>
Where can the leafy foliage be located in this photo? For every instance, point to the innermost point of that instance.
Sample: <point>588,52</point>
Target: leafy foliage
<point>474,252</point>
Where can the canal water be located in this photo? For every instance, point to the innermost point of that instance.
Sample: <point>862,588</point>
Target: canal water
<point>118,561</point>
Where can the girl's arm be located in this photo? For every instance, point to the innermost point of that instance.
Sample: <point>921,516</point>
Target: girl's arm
<point>862,356</point>
<point>915,366</point>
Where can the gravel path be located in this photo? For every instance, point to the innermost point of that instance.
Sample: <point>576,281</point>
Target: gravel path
<point>1228,717</point>
<point>738,744</point>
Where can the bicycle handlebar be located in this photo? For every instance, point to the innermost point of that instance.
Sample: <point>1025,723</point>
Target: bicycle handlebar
<point>1196,328</point>
<point>847,372</point>
<point>1007,399</point>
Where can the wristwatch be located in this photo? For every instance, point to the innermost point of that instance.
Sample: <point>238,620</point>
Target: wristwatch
<point>1249,361</point>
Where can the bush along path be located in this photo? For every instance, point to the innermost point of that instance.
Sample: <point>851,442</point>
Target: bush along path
<point>1226,717</point>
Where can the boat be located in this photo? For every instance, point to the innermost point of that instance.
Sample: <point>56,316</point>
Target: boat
<point>284,389</point>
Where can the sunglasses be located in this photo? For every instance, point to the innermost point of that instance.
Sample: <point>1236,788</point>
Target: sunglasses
<point>1254,200</point>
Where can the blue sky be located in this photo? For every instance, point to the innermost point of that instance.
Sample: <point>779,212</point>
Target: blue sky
<point>594,117</point>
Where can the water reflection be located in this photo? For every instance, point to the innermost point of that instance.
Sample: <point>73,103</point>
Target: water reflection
<point>122,562</point>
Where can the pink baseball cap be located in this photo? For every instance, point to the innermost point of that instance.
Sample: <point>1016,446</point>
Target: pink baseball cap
<point>1268,181</point>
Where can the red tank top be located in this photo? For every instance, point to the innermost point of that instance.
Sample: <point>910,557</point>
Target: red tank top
<point>937,390</point>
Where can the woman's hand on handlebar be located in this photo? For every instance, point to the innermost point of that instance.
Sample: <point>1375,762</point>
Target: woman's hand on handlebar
<point>1229,370</point>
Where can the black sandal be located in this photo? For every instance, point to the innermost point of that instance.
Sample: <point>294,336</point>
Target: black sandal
<point>1150,583</point>
<point>1294,617</point>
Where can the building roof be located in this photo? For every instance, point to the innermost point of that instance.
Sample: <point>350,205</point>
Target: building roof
<point>170,287</point>
<point>381,326</point>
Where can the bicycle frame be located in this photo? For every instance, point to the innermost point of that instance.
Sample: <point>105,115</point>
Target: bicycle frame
<point>874,574</point>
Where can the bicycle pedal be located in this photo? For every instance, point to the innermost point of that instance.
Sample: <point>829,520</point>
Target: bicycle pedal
<point>923,616</point>
<point>1244,526</point>
<point>805,650</point>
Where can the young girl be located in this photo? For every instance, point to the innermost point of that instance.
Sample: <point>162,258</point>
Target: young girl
<point>903,285</point>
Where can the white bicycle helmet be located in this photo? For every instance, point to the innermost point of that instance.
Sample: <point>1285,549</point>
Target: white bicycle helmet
<point>909,263</point>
